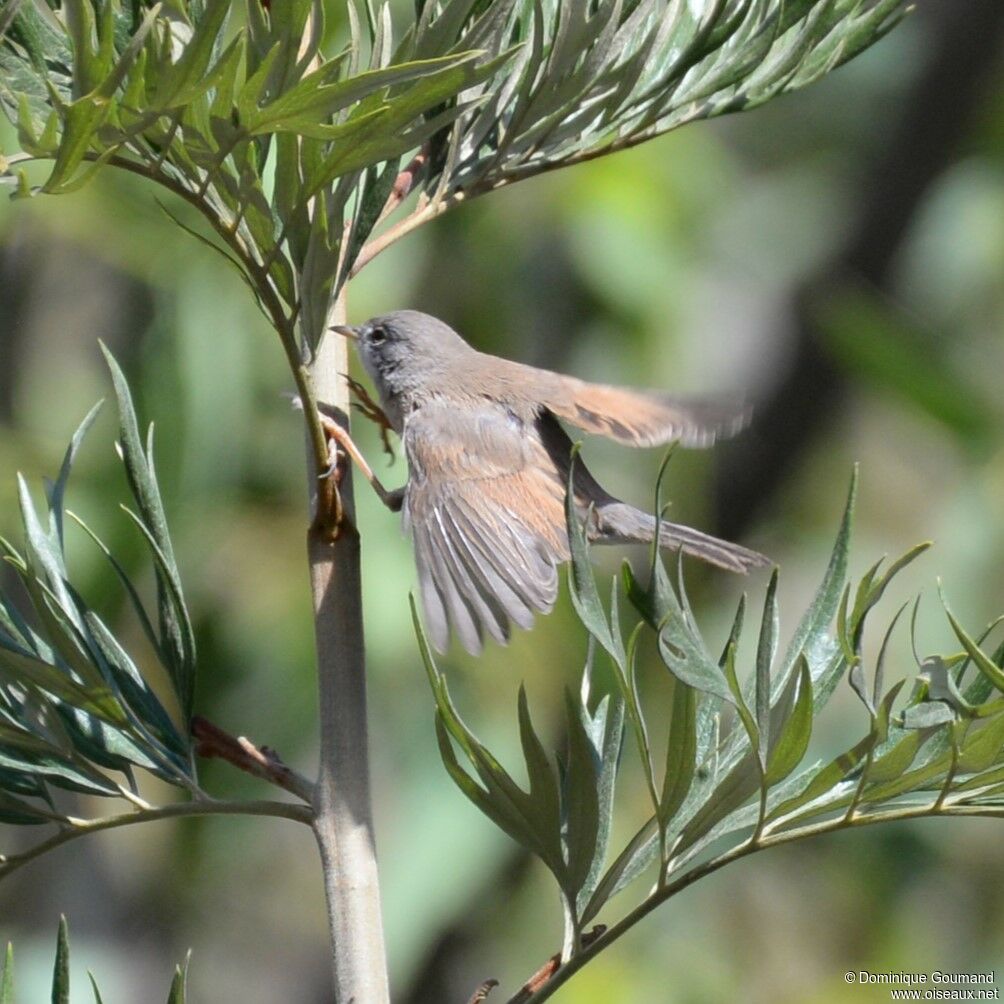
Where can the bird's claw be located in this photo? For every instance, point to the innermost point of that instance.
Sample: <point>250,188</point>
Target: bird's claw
<point>336,464</point>
<point>368,408</point>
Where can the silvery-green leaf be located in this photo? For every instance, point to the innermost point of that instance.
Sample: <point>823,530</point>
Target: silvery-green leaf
<point>580,799</point>
<point>766,648</point>
<point>18,812</point>
<point>61,967</point>
<point>841,767</point>
<point>982,747</point>
<point>543,796</point>
<point>94,989</point>
<point>895,759</point>
<point>993,673</point>
<point>606,731</point>
<point>812,634</point>
<point>177,640</point>
<point>681,752</point>
<point>581,581</point>
<point>179,984</point>
<point>639,854</point>
<point>927,715</point>
<point>7,981</point>
<point>682,649</point>
<point>498,796</point>
<point>787,753</point>
<point>57,493</point>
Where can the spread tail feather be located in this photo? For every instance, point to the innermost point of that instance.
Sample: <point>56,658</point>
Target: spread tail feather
<point>620,523</point>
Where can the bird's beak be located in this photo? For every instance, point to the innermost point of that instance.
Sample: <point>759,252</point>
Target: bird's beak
<point>346,330</point>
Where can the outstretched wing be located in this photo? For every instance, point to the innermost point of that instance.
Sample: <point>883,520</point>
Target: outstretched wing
<point>641,418</point>
<point>485,508</point>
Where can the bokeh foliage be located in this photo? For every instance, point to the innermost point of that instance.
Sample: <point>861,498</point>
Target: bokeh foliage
<point>61,975</point>
<point>715,182</point>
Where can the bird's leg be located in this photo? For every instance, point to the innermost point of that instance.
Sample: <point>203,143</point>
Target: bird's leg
<point>338,436</point>
<point>371,410</point>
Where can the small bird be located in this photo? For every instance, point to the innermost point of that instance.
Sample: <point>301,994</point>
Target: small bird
<point>488,467</point>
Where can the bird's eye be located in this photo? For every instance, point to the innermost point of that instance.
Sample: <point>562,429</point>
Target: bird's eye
<point>378,335</point>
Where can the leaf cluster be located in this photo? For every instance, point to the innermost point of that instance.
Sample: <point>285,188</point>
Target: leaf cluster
<point>177,994</point>
<point>288,153</point>
<point>75,708</point>
<point>731,777</point>
<point>295,151</point>
<point>592,78</point>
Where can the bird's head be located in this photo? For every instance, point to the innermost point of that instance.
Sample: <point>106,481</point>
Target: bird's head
<point>406,352</point>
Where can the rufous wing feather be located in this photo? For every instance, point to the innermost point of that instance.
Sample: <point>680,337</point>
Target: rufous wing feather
<point>645,418</point>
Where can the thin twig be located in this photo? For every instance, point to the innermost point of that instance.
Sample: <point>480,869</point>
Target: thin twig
<point>282,321</point>
<point>541,977</point>
<point>562,973</point>
<point>259,761</point>
<point>404,183</point>
<point>412,222</point>
<point>202,807</point>
<point>481,994</point>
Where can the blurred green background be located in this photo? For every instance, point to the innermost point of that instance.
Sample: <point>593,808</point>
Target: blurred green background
<point>838,256</point>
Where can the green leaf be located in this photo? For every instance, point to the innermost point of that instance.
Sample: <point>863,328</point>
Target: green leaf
<point>870,590</point>
<point>812,634</point>
<point>133,688</point>
<point>81,122</point>
<point>681,647</point>
<point>314,101</point>
<point>745,715</point>
<point>893,763</point>
<point>127,584</point>
<point>766,648</point>
<point>179,984</point>
<point>7,982</point>
<point>580,800</point>
<point>500,798</point>
<point>18,812</point>
<point>636,857</point>
<point>605,730</point>
<point>581,582</point>
<point>828,778</point>
<point>7,16</point>
<point>790,748</point>
<point>736,787</point>
<point>180,83</point>
<point>22,667</point>
<point>681,752</point>
<point>58,490</point>
<point>990,670</point>
<point>177,640</point>
<point>61,968</point>
<point>94,988</point>
<point>56,769</point>
<point>683,653</point>
<point>544,801</point>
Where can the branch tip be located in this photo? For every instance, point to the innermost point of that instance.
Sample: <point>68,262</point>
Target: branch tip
<point>482,992</point>
<point>260,761</point>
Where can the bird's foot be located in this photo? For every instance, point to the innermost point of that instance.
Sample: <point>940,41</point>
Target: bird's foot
<point>342,447</point>
<point>371,410</point>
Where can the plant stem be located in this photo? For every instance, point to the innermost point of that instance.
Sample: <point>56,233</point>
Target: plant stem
<point>343,823</point>
<point>197,807</point>
<point>662,893</point>
<point>418,218</point>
